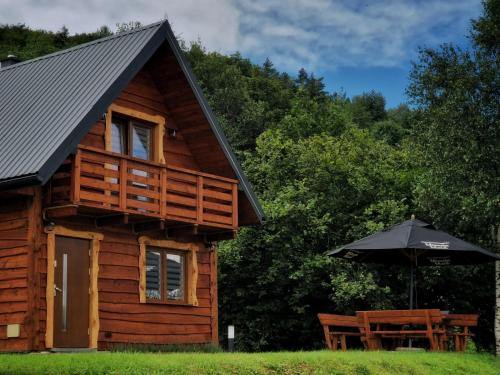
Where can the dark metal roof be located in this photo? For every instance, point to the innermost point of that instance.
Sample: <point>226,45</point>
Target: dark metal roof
<point>48,104</point>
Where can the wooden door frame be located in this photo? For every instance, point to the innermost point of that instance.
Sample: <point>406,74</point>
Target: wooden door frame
<point>95,239</point>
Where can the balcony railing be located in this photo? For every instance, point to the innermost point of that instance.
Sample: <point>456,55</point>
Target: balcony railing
<point>113,182</point>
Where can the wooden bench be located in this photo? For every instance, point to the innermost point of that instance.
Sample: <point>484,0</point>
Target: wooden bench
<point>333,338</point>
<point>401,324</point>
<point>456,327</point>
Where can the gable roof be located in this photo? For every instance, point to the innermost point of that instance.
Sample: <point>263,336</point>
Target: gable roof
<point>48,104</point>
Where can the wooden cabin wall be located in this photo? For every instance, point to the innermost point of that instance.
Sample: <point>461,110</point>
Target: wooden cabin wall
<point>122,318</point>
<point>16,271</point>
<point>142,95</point>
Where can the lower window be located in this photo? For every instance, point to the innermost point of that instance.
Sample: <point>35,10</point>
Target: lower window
<point>165,275</point>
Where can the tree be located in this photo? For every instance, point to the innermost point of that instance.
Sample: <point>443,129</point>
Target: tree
<point>319,191</point>
<point>368,108</point>
<point>457,138</point>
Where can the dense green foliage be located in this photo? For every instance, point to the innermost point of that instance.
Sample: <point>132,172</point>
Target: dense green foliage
<point>329,170</point>
<point>320,363</point>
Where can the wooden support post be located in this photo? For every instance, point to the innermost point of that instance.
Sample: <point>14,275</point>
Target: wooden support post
<point>123,184</point>
<point>163,192</point>
<point>75,177</point>
<point>235,206</point>
<point>33,273</point>
<point>214,303</point>
<point>199,197</point>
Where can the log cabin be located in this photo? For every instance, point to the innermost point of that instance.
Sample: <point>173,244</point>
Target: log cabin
<point>116,183</point>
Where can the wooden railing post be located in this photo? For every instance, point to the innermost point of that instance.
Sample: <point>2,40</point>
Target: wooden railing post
<point>123,184</point>
<point>235,206</point>
<point>163,192</point>
<point>76,176</point>
<point>199,199</point>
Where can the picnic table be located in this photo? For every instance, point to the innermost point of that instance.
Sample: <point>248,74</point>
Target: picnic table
<point>379,328</point>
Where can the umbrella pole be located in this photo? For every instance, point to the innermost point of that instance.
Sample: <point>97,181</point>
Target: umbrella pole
<point>412,287</point>
<point>412,282</point>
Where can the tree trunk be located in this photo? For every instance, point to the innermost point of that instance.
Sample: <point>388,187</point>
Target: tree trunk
<point>497,299</point>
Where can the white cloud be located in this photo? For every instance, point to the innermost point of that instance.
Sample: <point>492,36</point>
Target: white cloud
<point>315,34</point>
<point>321,34</point>
<point>215,22</point>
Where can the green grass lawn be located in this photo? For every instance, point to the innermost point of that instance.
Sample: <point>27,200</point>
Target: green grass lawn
<point>318,362</point>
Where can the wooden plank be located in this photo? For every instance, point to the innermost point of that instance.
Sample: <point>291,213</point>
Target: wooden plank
<point>58,212</point>
<point>217,195</point>
<point>154,309</point>
<point>99,184</point>
<point>218,207</point>
<point>173,186</point>
<point>181,200</point>
<point>96,156</point>
<point>138,338</point>
<point>182,176</point>
<point>150,328</point>
<point>217,218</point>
<point>140,205</point>
<point>98,170</point>
<point>218,183</point>
<point>150,181</point>
<point>199,196</point>
<point>100,198</point>
<point>154,194</point>
<point>180,212</point>
<point>163,318</point>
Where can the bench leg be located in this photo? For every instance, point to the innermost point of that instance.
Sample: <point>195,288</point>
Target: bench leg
<point>335,342</point>
<point>432,342</point>
<point>343,344</point>
<point>458,344</point>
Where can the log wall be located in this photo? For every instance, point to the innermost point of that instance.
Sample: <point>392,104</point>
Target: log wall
<point>123,319</point>
<point>142,95</point>
<point>14,252</point>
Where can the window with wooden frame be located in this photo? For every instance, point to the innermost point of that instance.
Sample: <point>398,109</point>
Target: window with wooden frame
<point>165,274</point>
<point>135,133</point>
<point>168,271</point>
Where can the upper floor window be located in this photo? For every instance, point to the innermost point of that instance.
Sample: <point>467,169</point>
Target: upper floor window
<point>131,137</point>
<point>134,133</point>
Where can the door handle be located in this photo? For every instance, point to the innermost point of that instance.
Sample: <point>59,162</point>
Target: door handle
<point>56,289</point>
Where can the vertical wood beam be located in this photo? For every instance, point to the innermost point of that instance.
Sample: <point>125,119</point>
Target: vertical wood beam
<point>94,294</point>
<point>49,291</point>
<point>75,176</point>
<point>235,206</point>
<point>142,271</point>
<point>123,184</point>
<point>163,192</point>
<point>214,307</point>
<point>33,275</point>
<point>192,279</point>
<point>199,199</point>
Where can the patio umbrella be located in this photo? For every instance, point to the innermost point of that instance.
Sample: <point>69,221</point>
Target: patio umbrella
<point>415,243</point>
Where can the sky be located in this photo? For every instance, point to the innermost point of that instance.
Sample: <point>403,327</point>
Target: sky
<point>356,45</point>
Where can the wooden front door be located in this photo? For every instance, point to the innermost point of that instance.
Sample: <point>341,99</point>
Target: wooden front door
<point>71,293</point>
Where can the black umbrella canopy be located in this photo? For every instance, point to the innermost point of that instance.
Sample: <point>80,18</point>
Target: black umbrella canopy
<point>414,242</point>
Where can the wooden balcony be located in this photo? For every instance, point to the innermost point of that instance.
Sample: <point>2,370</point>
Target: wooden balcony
<point>104,183</point>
